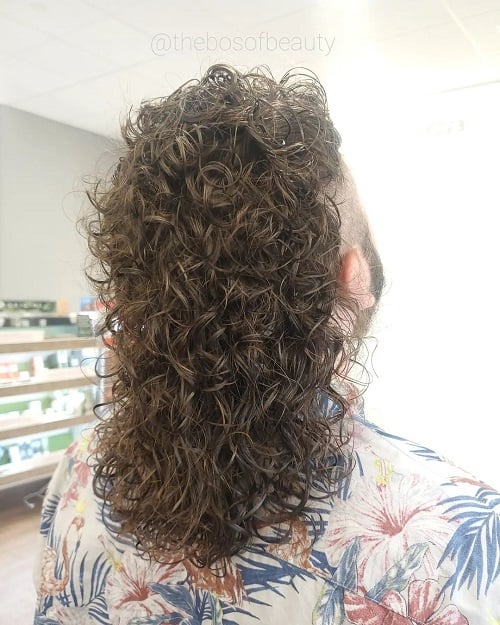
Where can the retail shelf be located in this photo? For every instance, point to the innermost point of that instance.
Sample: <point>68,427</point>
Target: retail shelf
<point>24,426</point>
<point>47,345</point>
<point>52,380</point>
<point>27,470</point>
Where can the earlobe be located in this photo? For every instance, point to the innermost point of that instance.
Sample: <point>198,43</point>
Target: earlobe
<point>355,275</point>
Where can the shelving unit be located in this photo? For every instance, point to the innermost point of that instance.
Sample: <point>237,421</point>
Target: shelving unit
<point>52,380</point>
<point>48,345</point>
<point>42,465</point>
<point>24,426</point>
<point>27,470</point>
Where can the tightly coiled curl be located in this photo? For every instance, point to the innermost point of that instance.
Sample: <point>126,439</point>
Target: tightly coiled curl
<point>216,252</point>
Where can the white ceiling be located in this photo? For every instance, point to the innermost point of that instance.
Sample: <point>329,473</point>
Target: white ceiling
<point>84,62</point>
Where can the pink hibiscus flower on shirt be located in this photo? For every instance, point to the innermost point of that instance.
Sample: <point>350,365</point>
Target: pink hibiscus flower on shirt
<point>81,476</point>
<point>388,519</point>
<point>128,594</point>
<point>424,607</point>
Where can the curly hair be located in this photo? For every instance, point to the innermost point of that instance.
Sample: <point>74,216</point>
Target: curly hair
<point>216,253</point>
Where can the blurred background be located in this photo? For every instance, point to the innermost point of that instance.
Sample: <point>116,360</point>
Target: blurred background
<point>414,89</point>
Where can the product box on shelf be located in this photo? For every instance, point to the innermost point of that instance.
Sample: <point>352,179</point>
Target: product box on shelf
<point>27,306</point>
<point>19,336</point>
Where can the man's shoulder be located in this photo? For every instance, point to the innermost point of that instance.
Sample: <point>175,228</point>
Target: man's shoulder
<point>414,525</point>
<point>374,444</point>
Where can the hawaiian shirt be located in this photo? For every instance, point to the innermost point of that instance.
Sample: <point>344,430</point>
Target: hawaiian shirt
<point>409,539</point>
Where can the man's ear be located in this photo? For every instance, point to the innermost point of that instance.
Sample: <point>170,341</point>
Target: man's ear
<point>355,275</point>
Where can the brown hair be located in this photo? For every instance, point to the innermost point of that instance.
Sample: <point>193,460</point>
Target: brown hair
<point>217,251</point>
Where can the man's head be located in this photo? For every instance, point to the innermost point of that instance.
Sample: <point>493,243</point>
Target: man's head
<point>236,265</point>
<point>361,269</point>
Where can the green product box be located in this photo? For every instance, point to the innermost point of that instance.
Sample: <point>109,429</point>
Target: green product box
<point>4,455</point>
<point>59,441</point>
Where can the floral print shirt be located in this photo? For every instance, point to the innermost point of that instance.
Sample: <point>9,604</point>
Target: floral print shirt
<point>409,540</point>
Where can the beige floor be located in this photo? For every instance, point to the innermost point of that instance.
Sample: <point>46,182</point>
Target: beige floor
<point>18,543</point>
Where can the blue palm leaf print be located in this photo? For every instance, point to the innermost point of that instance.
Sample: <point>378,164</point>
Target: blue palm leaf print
<point>419,450</point>
<point>424,452</point>
<point>113,525</point>
<point>329,609</point>
<point>216,614</point>
<point>475,545</point>
<point>98,610</point>
<point>100,571</point>
<point>204,606</point>
<point>157,619</point>
<point>268,573</point>
<point>44,620</point>
<point>319,560</point>
<point>177,596</point>
<point>346,574</point>
<point>48,511</point>
<point>399,574</point>
<point>76,594</point>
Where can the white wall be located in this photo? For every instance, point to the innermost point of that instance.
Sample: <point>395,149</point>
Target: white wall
<point>429,174</point>
<point>42,164</point>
